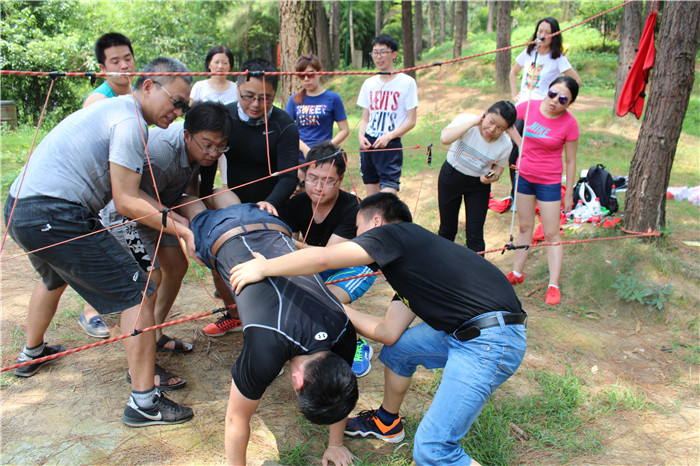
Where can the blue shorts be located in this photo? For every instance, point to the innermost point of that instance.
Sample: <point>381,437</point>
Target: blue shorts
<point>355,287</point>
<point>97,267</point>
<point>382,166</point>
<point>542,192</point>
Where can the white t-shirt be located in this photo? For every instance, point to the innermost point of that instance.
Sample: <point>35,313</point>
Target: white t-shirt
<point>201,91</point>
<point>388,102</point>
<point>539,77</point>
<point>471,155</point>
<point>72,161</point>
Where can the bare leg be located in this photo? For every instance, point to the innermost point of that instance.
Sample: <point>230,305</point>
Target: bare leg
<point>526,224</point>
<point>42,308</point>
<point>390,190</point>
<point>372,188</point>
<point>89,312</point>
<point>395,388</point>
<point>550,213</point>
<point>141,349</point>
<point>339,293</point>
<point>173,267</point>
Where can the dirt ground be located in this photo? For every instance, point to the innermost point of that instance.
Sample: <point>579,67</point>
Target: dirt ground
<point>69,413</point>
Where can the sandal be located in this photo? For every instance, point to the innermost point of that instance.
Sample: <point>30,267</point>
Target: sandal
<point>164,377</point>
<point>180,346</point>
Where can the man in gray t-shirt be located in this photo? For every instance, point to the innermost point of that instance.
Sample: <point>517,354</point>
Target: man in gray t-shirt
<point>92,156</point>
<point>174,157</point>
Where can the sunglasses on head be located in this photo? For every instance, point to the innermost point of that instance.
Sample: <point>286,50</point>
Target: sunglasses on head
<point>562,98</point>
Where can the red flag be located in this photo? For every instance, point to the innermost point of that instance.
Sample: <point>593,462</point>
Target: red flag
<point>632,95</point>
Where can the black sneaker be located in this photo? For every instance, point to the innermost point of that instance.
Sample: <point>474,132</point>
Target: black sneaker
<point>31,369</point>
<point>164,411</point>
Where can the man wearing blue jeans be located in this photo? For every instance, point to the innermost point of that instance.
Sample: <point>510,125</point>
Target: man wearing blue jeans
<point>473,324</point>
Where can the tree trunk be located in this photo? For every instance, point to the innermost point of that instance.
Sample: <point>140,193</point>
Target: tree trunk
<point>378,10</point>
<point>459,29</point>
<point>409,58</point>
<point>452,21</point>
<point>670,89</point>
<point>297,22</point>
<point>335,32</point>
<point>492,9</point>
<point>442,21</point>
<point>418,36</point>
<point>630,32</point>
<point>351,37</point>
<point>323,37</point>
<point>503,23</point>
<point>431,24</point>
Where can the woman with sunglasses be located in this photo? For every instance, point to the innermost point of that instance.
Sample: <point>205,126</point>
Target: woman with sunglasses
<point>549,130</point>
<point>479,151</point>
<point>315,108</point>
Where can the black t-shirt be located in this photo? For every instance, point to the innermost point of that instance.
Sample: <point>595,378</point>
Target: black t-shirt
<point>443,283</point>
<point>248,161</point>
<point>299,211</point>
<point>282,317</point>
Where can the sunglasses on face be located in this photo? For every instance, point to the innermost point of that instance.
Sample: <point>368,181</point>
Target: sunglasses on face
<point>177,103</point>
<point>307,75</point>
<point>562,98</point>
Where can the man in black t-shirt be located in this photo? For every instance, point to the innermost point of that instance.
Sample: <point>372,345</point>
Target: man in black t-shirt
<point>473,323</point>
<point>294,319</point>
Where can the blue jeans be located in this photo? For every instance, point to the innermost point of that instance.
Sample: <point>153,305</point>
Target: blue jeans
<point>473,370</point>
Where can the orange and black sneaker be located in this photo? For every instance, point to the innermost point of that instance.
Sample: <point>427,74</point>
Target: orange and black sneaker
<point>368,423</point>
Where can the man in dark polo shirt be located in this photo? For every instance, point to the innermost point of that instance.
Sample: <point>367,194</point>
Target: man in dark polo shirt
<point>473,323</point>
<point>294,319</point>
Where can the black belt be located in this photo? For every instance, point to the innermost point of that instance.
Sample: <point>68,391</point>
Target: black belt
<point>245,229</point>
<point>466,332</point>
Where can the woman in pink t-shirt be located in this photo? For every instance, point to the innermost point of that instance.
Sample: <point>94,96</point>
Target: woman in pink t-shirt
<point>549,130</point>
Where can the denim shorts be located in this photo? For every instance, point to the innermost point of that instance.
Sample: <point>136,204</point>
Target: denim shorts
<point>472,371</point>
<point>542,192</point>
<point>355,287</point>
<point>382,166</point>
<point>97,267</point>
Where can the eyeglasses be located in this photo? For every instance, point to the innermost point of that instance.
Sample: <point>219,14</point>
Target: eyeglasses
<point>314,181</point>
<point>249,98</point>
<point>177,103</point>
<point>207,149</point>
<point>562,98</point>
<point>380,53</point>
<point>307,76</point>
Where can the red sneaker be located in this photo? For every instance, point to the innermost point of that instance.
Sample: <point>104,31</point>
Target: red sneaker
<point>515,280</point>
<point>225,324</point>
<point>553,296</point>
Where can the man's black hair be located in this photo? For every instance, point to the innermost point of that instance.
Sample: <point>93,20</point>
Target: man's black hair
<point>329,392</point>
<point>208,116</point>
<point>325,150</point>
<point>388,205</point>
<point>386,39</point>
<point>259,64</point>
<point>163,65</point>
<point>111,39</point>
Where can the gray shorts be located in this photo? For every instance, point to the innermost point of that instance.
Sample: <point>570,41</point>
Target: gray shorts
<point>97,267</point>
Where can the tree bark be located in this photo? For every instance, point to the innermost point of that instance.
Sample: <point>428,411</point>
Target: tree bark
<point>459,29</point>
<point>378,20</point>
<point>409,58</point>
<point>492,9</point>
<point>297,22</point>
<point>452,21</point>
<point>503,23</point>
<point>630,32</point>
<point>670,89</point>
<point>335,32</point>
<point>323,37</point>
<point>442,21</point>
<point>418,36</point>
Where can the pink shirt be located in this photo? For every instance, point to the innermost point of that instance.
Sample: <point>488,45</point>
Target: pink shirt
<point>544,143</point>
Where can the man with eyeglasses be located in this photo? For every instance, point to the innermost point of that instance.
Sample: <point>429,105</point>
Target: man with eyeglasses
<point>324,215</point>
<point>175,155</point>
<point>264,140</point>
<point>92,156</point>
<point>390,102</point>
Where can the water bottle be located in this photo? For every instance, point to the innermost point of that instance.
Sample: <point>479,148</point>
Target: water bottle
<point>595,211</point>
<point>613,193</point>
<point>578,214</point>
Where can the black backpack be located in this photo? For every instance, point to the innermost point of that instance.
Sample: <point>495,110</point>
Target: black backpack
<point>600,181</point>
